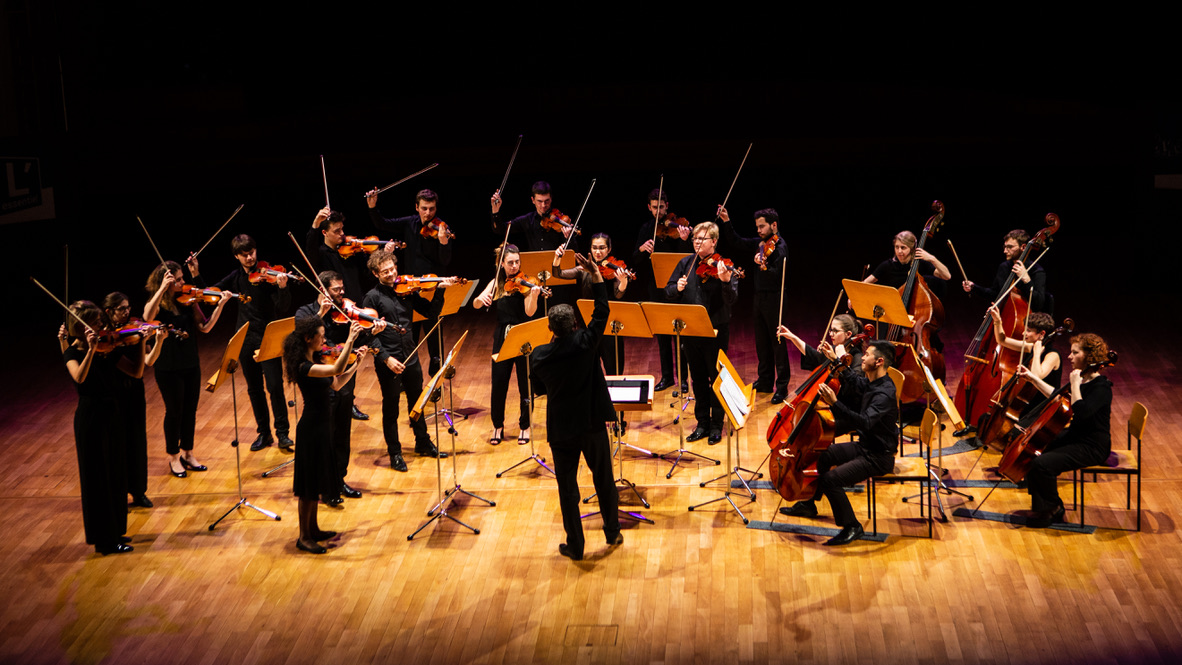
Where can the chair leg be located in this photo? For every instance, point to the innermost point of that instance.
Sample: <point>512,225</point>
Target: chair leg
<point>1138,499</point>
<point>1083,491</point>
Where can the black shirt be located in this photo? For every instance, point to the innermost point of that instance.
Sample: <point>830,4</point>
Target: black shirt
<point>178,353</point>
<point>267,301</point>
<point>642,262</point>
<point>894,274</point>
<point>396,309</point>
<point>764,280</point>
<point>324,258</point>
<point>422,255</point>
<point>537,239</point>
<point>1037,286</point>
<point>876,421</point>
<point>714,294</point>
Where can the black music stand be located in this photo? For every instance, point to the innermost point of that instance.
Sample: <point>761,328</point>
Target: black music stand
<point>629,393</point>
<point>737,399</point>
<point>521,340</point>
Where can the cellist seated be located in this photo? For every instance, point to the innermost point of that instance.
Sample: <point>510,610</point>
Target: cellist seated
<point>873,454</point>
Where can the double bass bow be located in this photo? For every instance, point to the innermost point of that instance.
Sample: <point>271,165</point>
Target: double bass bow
<point>928,313</point>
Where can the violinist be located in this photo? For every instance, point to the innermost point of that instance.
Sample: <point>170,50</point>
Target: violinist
<point>340,399</point>
<point>716,294</point>
<point>601,249</point>
<point>98,430</point>
<point>1044,361</point>
<point>397,366</point>
<point>322,242</point>
<point>770,252</point>
<point>1086,441</point>
<point>538,237</point>
<point>423,255</point>
<point>1032,284</point>
<point>267,303</point>
<point>316,379</point>
<point>843,465</point>
<point>642,263</point>
<point>178,365</point>
<point>512,309</point>
<point>842,329</point>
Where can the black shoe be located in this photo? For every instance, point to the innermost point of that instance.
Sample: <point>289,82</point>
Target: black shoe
<point>698,434</point>
<point>763,387</point>
<point>618,539</point>
<point>397,463</point>
<point>569,553</point>
<point>429,450</point>
<point>684,387</point>
<point>349,491</point>
<point>663,384</point>
<point>141,500</point>
<point>285,442</point>
<point>715,437</point>
<point>318,549</point>
<point>358,415</point>
<point>179,474</point>
<point>116,548</point>
<point>1042,520</point>
<point>193,467</point>
<point>326,535</point>
<point>125,539</point>
<point>967,430</point>
<point>333,502</point>
<point>263,441</point>
<point>846,536</point>
<point>779,397</point>
<point>800,509</point>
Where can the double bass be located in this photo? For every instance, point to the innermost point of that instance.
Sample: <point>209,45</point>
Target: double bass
<point>988,366</point>
<point>798,440</point>
<point>928,312</point>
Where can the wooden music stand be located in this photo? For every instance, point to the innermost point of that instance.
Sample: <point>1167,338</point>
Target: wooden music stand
<point>879,303</point>
<point>641,385</point>
<point>626,319</point>
<point>521,340</point>
<point>533,263</point>
<point>454,299</point>
<point>663,265</point>
<point>677,319</point>
<point>737,399</point>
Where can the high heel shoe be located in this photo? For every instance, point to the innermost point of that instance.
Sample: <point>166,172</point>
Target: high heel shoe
<point>318,549</point>
<point>193,467</point>
<point>179,474</point>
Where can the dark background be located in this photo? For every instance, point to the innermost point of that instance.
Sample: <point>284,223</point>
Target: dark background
<point>179,114</point>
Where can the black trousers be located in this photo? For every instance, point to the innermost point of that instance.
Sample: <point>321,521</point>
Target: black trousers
<point>180,389</point>
<point>774,369</point>
<point>596,449</point>
<point>135,434</point>
<point>341,405</point>
<point>1042,479</point>
<point>423,327</point>
<point>500,390</point>
<point>410,382</point>
<point>701,354</point>
<point>843,465</point>
<point>102,474</point>
<point>256,374</point>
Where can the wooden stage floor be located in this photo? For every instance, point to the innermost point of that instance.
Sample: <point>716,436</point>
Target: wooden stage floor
<point>695,587</point>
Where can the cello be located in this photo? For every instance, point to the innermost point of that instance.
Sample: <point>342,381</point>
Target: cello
<point>928,313</point>
<point>997,424</point>
<point>987,369</point>
<point>798,440</point>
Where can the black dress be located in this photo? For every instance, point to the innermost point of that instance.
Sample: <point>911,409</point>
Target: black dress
<point>313,457</point>
<point>98,439</point>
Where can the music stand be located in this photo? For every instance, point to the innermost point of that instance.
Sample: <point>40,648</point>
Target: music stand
<point>663,265</point>
<point>454,298</point>
<point>625,319</point>
<point>878,302</point>
<point>942,406</point>
<point>272,347</point>
<point>521,341</point>
<point>736,399</point>
<point>229,366</point>
<point>678,319</point>
<point>629,393</point>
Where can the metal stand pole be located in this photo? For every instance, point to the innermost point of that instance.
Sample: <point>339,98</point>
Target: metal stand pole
<point>681,451</point>
<point>726,494</point>
<point>451,492</point>
<point>242,502</point>
<point>533,455</point>
<point>442,509</point>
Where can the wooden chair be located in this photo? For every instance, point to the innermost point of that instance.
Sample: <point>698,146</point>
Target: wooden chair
<point>909,469</point>
<point>1128,465</point>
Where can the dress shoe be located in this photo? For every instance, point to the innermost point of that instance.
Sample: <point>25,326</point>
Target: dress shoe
<point>1042,519</point>
<point>285,442</point>
<point>779,397</point>
<point>684,387</point>
<point>261,442</point>
<point>763,387</point>
<point>617,539</point>
<point>663,384</point>
<point>333,501</point>
<point>846,536</point>
<point>315,549</point>
<point>358,415</point>
<point>800,509</point>
<point>349,491</point>
<point>116,548</point>
<point>397,463</point>
<point>569,553</point>
<point>698,434</point>
<point>429,450</point>
<point>965,431</point>
<point>325,535</point>
<point>193,467</point>
<point>179,474</point>
<point>715,437</point>
<point>141,500</point>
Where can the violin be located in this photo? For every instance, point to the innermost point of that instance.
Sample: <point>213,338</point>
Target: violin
<point>405,285</point>
<point>354,245</point>
<point>928,313</point>
<point>519,283</point>
<point>556,221</point>
<point>264,272</point>
<point>133,333</point>
<point>190,293</point>
<point>329,354</point>
<point>365,316</point>
<point>436,227</point>
<point>708,267</point>
<point>668,227</point>
<point>611,267</point>
<point>767,248</point>
<point>1052,419</point>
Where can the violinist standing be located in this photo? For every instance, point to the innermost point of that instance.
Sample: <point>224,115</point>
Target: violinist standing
<point>1032,283</point>
<point>601,249</point>
<point>340,398</point>
<point>770,253</point>
<point>178,365</point>
<point>642,263</point>
<point>267,303</point>
<point>98,430</point>
<point>716,294</point>
<point>568,371</point>
<point>529,226</point>
<point>512,309</point>
<point>397,369</point>
<point>133,404</point>
<point>872,454</point>
<point>1087,441</point>
<point>424,255</point>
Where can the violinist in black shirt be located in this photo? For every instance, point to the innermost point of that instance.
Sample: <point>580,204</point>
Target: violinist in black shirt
<point>675,240</point>
<point>537,237</point>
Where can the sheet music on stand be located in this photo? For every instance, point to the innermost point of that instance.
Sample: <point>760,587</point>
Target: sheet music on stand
<point>733,395</point>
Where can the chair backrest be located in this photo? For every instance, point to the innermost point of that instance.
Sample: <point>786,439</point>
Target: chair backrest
<point>1137,419</point>
<point>927,429</point>
<point>897,378</point>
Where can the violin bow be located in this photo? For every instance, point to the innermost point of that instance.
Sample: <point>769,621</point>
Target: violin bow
<point>958,265</point>
<point>216,233</point>
<point>66,251</point>
<point>728,192</point>
<point>324,174</point>
<point>832,314</point>
<point>63,305</point>
<point>780,312</point>
<point>575,226</point>
<point>657,214</point>
<point>393,184</point>
<point>512,158</point>
<point>153,243</point>
<point>500,260</point>
<point>319,286</point>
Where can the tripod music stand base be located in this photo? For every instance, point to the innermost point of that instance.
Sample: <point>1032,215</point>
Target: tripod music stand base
<point>451,494</point>
<point>287,463</point>
<point>441,514</point>
<point>535,457</point>
<point>624,514</point>
<point>725,495</point>
<point>733,472</point>
<point>243,503</point>
<point>682,452</point>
